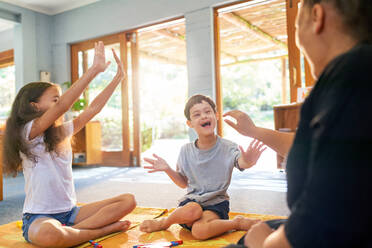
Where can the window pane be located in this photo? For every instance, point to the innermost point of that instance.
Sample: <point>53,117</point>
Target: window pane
<point>163,89</point>
<point>254,69</point>
<point>7,90</point>
<point>110,116</point>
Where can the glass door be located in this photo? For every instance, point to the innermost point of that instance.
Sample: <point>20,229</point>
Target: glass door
<point>118,138</point>
<point>163,92</point>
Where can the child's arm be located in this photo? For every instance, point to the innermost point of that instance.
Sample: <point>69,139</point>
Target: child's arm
<point>71,95</point>
<point>99,102</point>
<point>160,164</point>
<point>249,158</point>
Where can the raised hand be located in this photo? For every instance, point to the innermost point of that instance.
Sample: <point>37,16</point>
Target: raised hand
<point>157,164</point>
<point>252,154</point>
<point>99,61</point>
<point>120,74</point>
<point>244,124</point>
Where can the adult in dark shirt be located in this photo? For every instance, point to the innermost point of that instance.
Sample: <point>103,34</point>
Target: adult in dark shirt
<point>329,160</point>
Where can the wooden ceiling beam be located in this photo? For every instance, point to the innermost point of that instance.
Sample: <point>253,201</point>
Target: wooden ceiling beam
<point>247,26</point>
<point>259,50</point>
<point>178,37</point>
<point>170,34</point>
<point>256,60</point>
<point>161,58</point>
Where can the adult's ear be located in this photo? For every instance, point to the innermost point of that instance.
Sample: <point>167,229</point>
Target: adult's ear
<point>318,18</point>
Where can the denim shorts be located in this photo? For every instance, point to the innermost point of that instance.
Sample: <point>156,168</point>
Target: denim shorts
<point>66,218</point>
<point>222,209</point>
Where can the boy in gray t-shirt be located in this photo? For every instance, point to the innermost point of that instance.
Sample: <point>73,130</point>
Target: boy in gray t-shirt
<point>205,168</point>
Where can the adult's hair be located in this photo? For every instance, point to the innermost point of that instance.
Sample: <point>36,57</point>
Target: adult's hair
<point>356,16</point>
<point>195,99</point>
<point>22,112</point>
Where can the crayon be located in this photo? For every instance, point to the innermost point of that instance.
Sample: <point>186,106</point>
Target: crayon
<point>160,244</point>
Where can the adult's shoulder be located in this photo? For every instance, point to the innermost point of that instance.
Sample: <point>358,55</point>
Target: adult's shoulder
<point>350,70</point>
<point>358,59</point>
<point>360,56</point>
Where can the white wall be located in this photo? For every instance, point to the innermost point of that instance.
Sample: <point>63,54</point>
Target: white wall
<point>31,42</point>
<point>6,40</point>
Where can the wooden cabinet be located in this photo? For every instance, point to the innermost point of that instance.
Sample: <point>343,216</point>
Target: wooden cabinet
<point>88,143</point>
<point>286,118</point>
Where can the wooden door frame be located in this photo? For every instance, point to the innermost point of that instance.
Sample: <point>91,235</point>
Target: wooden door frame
<point>6,58</point>
<point>136,155</point>
<point>217,60</point>
<point>294,55</point>
<point>123,38</point>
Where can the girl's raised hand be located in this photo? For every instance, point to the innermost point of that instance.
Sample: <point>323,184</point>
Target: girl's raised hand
<point>253,152</point>
<point>157,164</point>
<point>99,61</point>
<point>120,74</point>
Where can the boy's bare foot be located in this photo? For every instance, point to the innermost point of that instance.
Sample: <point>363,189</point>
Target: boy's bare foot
<point>243,224</point>
<point>153,225</point>
<point>119,226</point>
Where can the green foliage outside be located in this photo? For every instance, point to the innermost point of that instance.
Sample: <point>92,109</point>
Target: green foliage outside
<point>146,138</point>
<point>80,104</point>
<point>253,88</point>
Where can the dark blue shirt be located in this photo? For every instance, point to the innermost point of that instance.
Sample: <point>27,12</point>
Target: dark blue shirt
<point>329,167</point>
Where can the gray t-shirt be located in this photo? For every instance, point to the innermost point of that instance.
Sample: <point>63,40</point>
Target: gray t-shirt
<point>208,171</point>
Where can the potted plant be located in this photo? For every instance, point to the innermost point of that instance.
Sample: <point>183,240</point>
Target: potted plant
<point>79,105</point>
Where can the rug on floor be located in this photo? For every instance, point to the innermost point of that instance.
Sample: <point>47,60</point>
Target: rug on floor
<point>11,234</point>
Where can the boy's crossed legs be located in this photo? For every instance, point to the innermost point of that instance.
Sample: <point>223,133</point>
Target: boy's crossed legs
<point>92,221</point>
<point>203,224</point>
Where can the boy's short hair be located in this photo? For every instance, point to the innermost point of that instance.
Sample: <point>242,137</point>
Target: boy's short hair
<point>195,99</point>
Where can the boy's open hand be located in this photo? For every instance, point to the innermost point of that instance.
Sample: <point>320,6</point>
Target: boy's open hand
<point>99,61</point>
<point>252,154</point>
<point>157,164</point>
<point>120,74</point>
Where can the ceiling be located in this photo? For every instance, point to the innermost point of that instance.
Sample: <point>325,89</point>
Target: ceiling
<point>50,7</point>
<point>251,33</point>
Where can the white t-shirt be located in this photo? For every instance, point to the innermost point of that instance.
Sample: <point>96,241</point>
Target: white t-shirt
<point>49,184</point>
